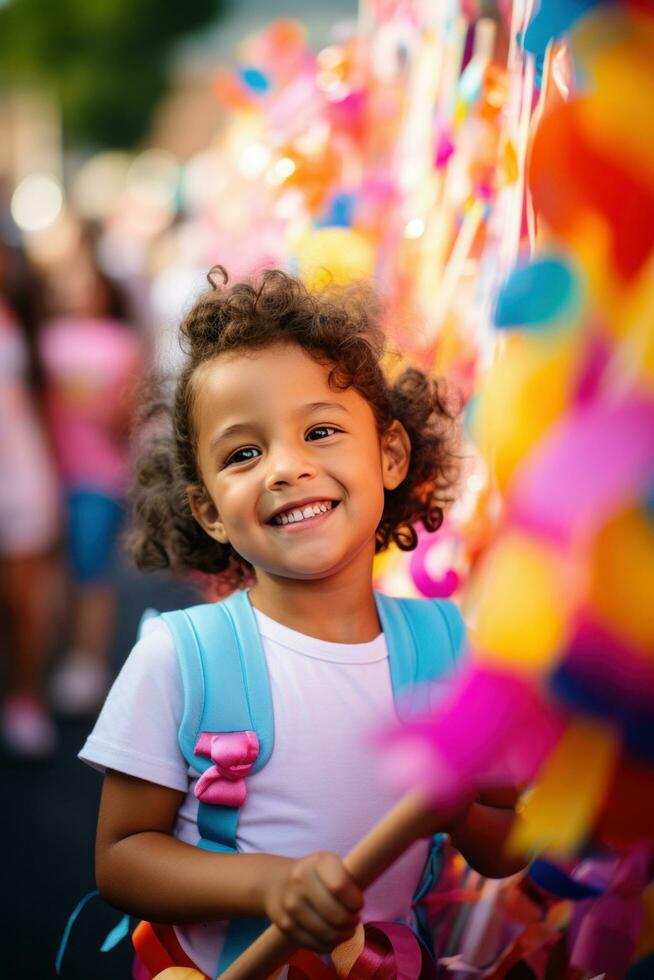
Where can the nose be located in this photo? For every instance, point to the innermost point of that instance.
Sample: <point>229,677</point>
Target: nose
<point>288,465</point>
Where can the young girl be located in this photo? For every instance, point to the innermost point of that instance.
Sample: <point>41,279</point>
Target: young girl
<point>91,356</point>
<point>292,460</point>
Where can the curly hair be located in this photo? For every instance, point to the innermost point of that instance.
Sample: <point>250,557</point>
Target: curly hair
<point>339,327</point>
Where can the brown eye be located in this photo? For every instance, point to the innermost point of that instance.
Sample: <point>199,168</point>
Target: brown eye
<point>243,455</point>
<point>321,432</point>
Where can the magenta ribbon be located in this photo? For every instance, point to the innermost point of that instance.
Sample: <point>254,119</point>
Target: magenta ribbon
<point>233,754</point>
<point>391,952</point>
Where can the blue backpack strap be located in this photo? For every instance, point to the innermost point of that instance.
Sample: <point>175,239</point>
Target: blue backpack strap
<point>454,625</point>
<point>226,689</point>
<point>424,639</point>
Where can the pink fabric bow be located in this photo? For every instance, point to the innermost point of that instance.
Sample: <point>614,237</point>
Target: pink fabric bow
<point>233,754</point>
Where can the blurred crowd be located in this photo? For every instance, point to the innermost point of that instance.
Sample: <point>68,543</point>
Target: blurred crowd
<point>72,353</point>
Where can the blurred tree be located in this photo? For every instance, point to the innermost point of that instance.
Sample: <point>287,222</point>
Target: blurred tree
<point>106,60</point>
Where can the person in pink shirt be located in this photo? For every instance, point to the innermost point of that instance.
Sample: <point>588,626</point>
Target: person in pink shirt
<point>29,520</point>
<point>91,357</point>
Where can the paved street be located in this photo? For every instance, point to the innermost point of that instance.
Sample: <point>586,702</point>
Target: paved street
<point>49,813</point>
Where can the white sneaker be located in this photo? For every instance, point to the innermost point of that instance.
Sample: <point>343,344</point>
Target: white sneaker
<point>78,686</point>
<point>27,730</point>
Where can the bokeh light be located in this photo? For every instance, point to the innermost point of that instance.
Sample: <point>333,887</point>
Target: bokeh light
<point>37,202</point>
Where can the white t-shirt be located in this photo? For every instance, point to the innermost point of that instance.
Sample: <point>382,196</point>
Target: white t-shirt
<point>321,788</point>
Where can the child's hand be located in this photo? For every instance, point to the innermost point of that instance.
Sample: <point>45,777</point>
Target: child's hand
<point>315,902</point>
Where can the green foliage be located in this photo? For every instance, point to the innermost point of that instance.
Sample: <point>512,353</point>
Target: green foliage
<point>104,59</point>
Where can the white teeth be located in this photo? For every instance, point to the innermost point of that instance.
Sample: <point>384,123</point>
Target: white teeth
<point>296,515</point>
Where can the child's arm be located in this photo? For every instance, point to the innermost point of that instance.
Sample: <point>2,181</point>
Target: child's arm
<point>144,870</point>
<point>481,834</point>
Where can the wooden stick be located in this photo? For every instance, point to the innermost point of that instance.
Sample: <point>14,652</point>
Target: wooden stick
<point>408,821</point>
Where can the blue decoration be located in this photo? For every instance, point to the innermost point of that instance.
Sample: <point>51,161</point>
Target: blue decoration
<point>553,19</point>
<point>470,417</point>
<point>469,88</point>
<point>539,61</point>
<point>555,881</point>
<point>113,937</point>
<point>635,722</point>
<point>255,80</point>
<point>339,211</point>
<point>536,294</point>
<point>116,935</point>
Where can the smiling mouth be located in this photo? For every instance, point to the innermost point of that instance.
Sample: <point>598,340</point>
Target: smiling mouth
<point>300,515</point>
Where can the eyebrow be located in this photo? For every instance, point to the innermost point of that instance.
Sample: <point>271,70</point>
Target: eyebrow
<point>319,406</point>
<point>238,428</point>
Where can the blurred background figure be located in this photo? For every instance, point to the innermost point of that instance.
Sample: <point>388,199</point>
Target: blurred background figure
<point>29,517</point>
<point>91,356</point>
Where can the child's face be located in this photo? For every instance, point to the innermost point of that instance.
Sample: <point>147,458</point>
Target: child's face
<point>273,438</point>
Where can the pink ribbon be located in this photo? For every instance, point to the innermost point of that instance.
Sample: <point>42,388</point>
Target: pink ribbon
<point>233,754</point>
<point>391,952</point>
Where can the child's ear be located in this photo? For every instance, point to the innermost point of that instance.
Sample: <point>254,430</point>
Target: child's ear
<point>206,513</point>
<point>396,455</point>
